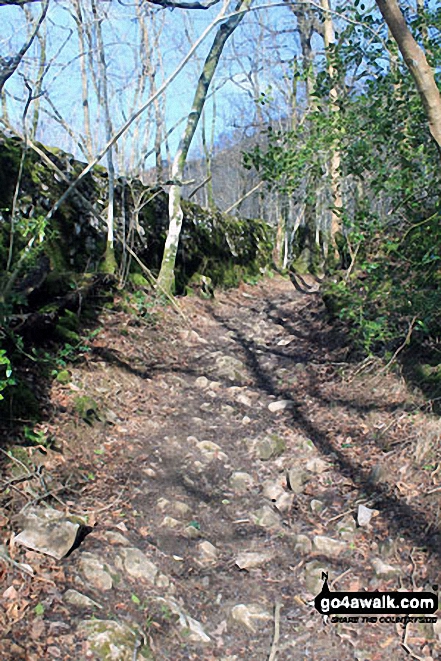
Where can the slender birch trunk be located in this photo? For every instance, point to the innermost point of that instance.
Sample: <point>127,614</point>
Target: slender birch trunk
<point>335,160</point>
<point>166,273</point>
<point>109,265</point>
<point>417,64</point>
<point>87,141</point>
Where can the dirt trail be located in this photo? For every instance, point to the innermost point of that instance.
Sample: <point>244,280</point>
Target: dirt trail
<point>224,473</point>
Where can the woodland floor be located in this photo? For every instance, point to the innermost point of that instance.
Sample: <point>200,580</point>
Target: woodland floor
<point>182,414</point>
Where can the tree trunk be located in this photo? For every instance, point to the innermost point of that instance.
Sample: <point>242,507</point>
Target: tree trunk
<point>417,64</point>
<point>335,160</point>
<point>109,264</point>
<point>166,273</point>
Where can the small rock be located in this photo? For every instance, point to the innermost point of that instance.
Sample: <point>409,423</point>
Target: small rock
<point>109,640</point>
<point>346,528</point>
<point>252,559</point>
<point>231,369</point>
<point>75,598</point>
<point>201,382</point>
<point>364,515</point>
<point>280,405</point>
<point>244,399</point>
<point>162,503</point>
<point>317,465</point>
<point>170,522</point>
<point>328,546</point>
<point>284,502</point>
<point>240,482</point>
<point>269,447</point>
<point>181,508</point>
<point>266,517</point>
<point>246,420</point>
<point>191,532</point>
<point>313,576</point>
<point>138,566</point>
<point>116,538</point>
<point>193,629</point>
<point>211,450</point>
<point>249,615</point>
<point>316,506</point>
<point>272,490</point>
<point>383,570</point>
<point>95,572</point>
<point>295,479</point>
<point>215,385</point>
<point>208,554</point>
<point>285,341</point>
<point>47,531</point>
<point>302,544</point>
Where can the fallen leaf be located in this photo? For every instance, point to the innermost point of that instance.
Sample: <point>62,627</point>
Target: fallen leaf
<point>10,593</point>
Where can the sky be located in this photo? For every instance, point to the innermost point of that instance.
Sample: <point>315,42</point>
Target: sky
<point>268,48</point>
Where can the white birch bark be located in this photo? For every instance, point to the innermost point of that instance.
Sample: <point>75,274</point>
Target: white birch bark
<point>166,273</point>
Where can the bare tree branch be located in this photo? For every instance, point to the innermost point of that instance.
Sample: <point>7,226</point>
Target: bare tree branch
<point>178,4</point>
<point>18,3</point>
<point>9,64</point>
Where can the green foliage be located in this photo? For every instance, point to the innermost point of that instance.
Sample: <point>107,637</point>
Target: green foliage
<point>6,378</point>
<point>388,279</point>
<point>35,436</point>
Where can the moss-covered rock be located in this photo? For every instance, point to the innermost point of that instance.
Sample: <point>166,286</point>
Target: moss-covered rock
<point>113,641</point>
<point>87,408</point>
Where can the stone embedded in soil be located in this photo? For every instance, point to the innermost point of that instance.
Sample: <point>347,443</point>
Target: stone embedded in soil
<point>328,546</point>
<point>211,450</point>
<point>296,477</point>
<point>272,490</point>
<point>162,503</point>
<point>47,531</point>
<point>250,616</point>
<point>269,447</point>
<point>266,517</point>
<point>208,553</point>
<point>170,522</point>
<point>244,399</point>
<point>302,544</point>
<point>253,559</point>
<point>193,629</point>
<point>94,572</point>
<point>201,382</point>
<point>346,528</point>
<point>284,502</point>
<point>280,405</point>
<point>313,576</point>
<point>116,538</point>
<point>316,505</point>
<point>111,641</point>
<point>231,368</point>
<point>138,566</point>
<point>364,515</point>
<point>192,532</point>
<point>384,570</point>
<point>240,482</point>
<point>317,465</point>
<point>75,598</point>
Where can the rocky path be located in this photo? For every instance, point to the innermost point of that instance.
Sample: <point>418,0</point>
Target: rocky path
<point>234,458</point>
